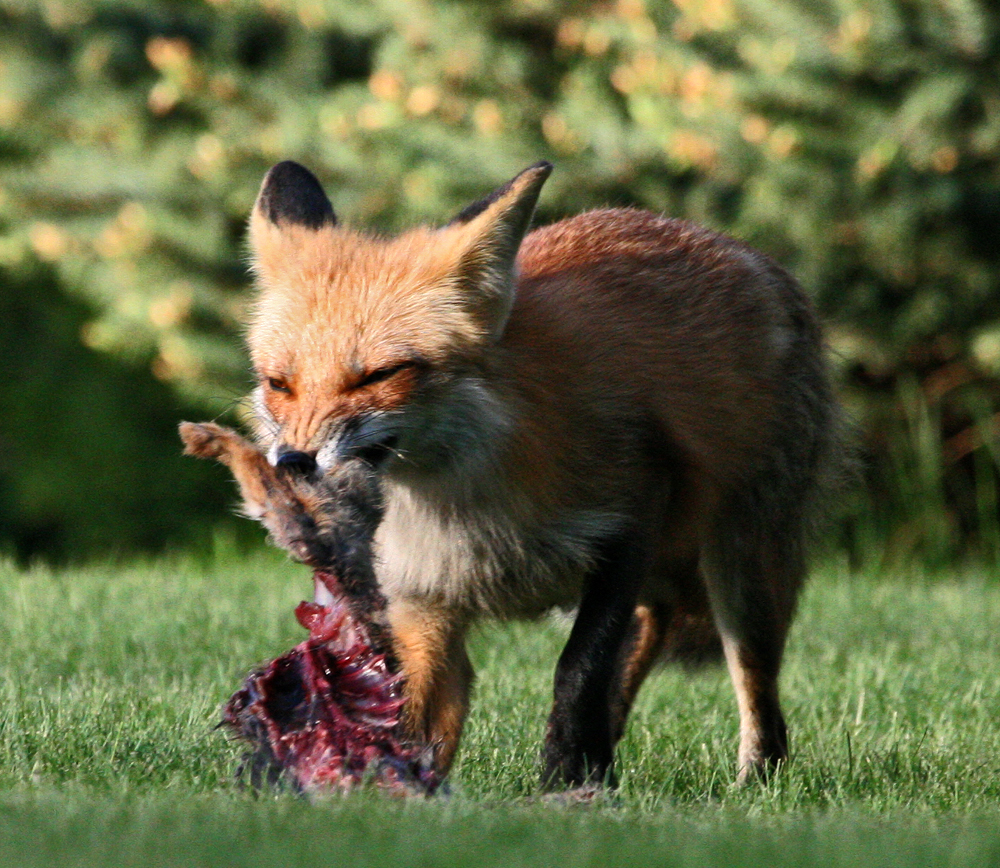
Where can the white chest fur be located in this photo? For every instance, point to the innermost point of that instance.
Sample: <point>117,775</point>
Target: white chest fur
<point>485,555</point>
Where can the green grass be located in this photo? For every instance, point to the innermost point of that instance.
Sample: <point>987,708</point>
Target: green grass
<point>112,678</point>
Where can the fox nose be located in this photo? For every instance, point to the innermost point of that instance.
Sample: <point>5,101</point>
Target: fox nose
<point>294,461</point>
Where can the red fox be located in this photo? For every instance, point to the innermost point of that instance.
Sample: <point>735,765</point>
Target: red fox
<point>619,412</point>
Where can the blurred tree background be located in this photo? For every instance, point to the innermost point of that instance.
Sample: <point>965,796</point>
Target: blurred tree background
<point>858,141</point>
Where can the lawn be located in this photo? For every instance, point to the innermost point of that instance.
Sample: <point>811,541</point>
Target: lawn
<point>112,678</point>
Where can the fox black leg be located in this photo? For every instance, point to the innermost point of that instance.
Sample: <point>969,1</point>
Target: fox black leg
<point>580,740</point>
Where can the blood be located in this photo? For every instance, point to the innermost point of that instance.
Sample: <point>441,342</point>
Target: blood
<point>326,716</point>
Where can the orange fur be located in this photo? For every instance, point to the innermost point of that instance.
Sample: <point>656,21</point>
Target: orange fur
<point>430,647</point>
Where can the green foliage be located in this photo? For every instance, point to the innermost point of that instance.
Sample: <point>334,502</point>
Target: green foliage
<point>859,142</point>
<point>89,455</point>
<point>111,679</point>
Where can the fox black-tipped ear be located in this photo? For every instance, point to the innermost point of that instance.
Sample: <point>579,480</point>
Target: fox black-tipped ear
<point>534,176</point>
<point>490,232</point>
<point>291,194</point>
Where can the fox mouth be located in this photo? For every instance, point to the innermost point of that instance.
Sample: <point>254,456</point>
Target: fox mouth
<point>322,595</point>
<point>375,454</point>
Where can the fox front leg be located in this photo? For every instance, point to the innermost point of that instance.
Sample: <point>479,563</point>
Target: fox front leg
<point>429,643</point>
<point>582,729</point>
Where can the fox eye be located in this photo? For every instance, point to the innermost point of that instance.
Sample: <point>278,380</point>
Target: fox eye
<point>381,374</point>
<point>279,385</point>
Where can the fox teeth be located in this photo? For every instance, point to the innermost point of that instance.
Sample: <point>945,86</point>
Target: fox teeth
<point>321,593</point>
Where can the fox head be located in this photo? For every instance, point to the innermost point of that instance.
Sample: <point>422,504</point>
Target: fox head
<point>376,347</point>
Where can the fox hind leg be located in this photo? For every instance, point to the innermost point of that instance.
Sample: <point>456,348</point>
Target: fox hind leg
<point>753,572</point>
<point>675,627</point>
<point>671,623</point>
<point>639,654</point>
